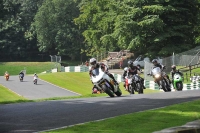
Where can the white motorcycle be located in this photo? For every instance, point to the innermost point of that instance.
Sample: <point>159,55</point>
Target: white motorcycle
<point>35,79</point>
<point>104,83</point>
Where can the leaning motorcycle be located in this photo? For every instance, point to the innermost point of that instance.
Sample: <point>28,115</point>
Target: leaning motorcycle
<point>21,77</point>
<point>133,84</point>
<point>161,79</point>
<point>6,76</point>
<point>178,81</point>
<point>104,83</point>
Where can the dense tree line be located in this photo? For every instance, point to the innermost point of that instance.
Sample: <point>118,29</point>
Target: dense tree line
<point>31,28</point>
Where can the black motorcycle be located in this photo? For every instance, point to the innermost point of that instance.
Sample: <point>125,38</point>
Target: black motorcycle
<point>21,76</point>
<point>134,84</point>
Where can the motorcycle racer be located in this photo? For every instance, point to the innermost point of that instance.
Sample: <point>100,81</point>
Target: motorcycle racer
<point>132,69</point>
<point>162,67</point>
<point>94,64</point>
<point>35,76</point>
<point>174,70</point>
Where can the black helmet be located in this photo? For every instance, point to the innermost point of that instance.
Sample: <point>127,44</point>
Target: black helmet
<point>130,63</point>
<point>173,67</point>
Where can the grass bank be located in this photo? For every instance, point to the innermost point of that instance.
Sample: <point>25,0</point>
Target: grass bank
<point>31,67</point>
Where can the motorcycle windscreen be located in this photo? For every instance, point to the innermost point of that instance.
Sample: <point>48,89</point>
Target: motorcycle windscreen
<point>156,70</point>
<point>95,72</point>
<point>177,76</point>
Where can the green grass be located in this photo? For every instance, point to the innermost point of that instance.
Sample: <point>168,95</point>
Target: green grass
<point>31,67</point>
<point>78,82</point>
<point>7,96</point>
<point>141,122</point>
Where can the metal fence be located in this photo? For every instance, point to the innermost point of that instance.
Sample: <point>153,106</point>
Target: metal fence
<point>181,60</point>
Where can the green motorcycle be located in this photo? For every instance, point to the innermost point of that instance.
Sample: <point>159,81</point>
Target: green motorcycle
<point>178,81</point>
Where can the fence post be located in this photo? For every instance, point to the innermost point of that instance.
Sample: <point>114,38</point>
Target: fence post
<point>190,69</point>
<point>186,77</point>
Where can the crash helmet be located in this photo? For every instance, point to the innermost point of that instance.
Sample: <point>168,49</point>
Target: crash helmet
<point>173,67</point>
<point>93,61</point>
<point>35,73</point>
<point>126,68</point>
<point>155,61</point>
<point>130,63</point>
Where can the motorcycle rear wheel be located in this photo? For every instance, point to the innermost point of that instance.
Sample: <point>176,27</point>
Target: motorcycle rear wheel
<point>107,91</point>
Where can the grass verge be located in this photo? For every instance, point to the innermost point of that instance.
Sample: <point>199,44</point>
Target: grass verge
<point>7,96</point>
<point>141,122</point>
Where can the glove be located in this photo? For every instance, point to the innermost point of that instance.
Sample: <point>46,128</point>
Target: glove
<point>164,67</point>
<point>148,74</point>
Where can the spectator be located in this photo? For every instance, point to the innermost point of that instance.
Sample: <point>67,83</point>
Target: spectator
<point>87,63</point>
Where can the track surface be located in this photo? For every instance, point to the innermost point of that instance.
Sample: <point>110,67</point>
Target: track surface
<point>35,117</point>
<point>30,91</point>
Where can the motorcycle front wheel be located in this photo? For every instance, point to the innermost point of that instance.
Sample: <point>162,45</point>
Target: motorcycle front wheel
<point>140,89</point>
<point>163,86</point>
<point>179,86</point>
<point>131,89</point>
<point>107,91</point>
<point>119,92</point>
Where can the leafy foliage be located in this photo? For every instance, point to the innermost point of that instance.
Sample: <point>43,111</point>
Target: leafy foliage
<point>55,29</point>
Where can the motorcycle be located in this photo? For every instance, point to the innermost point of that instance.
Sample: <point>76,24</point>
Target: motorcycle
<point>35,81</point>
<point>161,79</point>
<point>7,76</point>
<point>104,83</point>
<point>21,77</point>
<point>178,82</point>
<point>133,84</point>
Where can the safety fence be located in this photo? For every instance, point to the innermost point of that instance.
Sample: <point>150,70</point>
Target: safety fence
<point>189,86</point>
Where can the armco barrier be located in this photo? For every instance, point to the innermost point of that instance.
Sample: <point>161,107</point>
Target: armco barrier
<point>189,86</point>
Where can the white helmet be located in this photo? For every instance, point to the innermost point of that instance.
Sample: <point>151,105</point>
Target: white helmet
<point>126,68</point>
<point>93,61</point>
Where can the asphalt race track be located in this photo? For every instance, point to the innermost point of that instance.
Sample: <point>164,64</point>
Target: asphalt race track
<point>40,116</point>
<point>31,91</point>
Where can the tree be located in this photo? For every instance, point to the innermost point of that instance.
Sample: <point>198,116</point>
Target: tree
<point>16,19</point>
<point>55,28</point>
<point>143,26</point>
